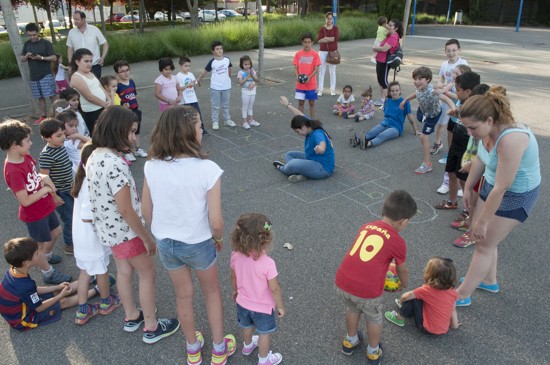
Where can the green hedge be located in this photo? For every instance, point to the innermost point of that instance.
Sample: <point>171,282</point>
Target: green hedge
<point>236,36</point>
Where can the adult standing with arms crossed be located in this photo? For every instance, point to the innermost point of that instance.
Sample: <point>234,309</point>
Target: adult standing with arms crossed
<point>328,41</point>
<point>90,37</point>
<point>390,44</point>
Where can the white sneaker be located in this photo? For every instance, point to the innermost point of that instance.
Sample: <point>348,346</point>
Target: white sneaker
<point>254,123</point>
<point>140,152</point>
<point>272,359</point>
<point>443,189</point>
<point>130,157</point>
<point>332,92</point>
<point>246,125</point>
<point>373,60</point>
<point>320,93</point>
<point>215,126</point>
<point>230,123</point>
<point>460,193</point>
<point>379,102</point>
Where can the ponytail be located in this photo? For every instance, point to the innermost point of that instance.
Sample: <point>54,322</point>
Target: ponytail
<point>494,104</point>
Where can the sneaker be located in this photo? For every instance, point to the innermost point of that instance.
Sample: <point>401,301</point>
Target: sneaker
<point>466,302</point>
<point>333,92</point>
<point>57,278</point>
<point>229,123</point>
<point>140,152</point>
<point>373,60</point>
<point>446,204</point>
<point>320,93</point>
<point>335,112</point>
<point>248,350</point>
<point>465,240</point>
<point>91,311</point>
<point>54,259</point>
<point>132,325</point>
<point>460,193</point>
<point>461,224</point>
<point>205,132</point>
<point>230,347</point>
<point>195,358</point>
<point>272,359</point>
<point>398,303</point>
<point>422,169</point>
<point>39,120</point>
<point>215,126</point>
<point>278,164</point>
<point>296,178</point>
<point>356,119</point>
<point>443,189</point>
<point>165,328</point>
<point>436,148</point>
<point>246,126</point>
<point>374,359</point>
<point>126,161</point>
<point>253,123</point>
<point>348,347</point>
<point>393,318</point>
<point>345,115</point>
<point>354,139</point>
<point>114,303</point>
<point>493,288</point>
<point>112,280</point>
<point>443,160</point>
<point>68,250</point>
<point>130,157</point>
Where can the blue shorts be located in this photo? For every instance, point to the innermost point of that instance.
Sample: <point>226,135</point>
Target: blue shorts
<point>264,323</point>
<point>41,231</point>
<point>50,315</point>
<point>428,124</point>
<point>513,205</point>
<point>305,95</point>
<point>175,254</point>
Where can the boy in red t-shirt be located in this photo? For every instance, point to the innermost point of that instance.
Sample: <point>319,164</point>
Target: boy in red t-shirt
<point>34,193</point>
<point>306,66</point>
<point>361,275</point>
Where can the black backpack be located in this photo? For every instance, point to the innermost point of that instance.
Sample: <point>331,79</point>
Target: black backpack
<point>395,59</point>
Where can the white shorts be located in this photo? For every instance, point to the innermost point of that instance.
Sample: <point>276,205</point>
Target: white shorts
<point>98,266</point>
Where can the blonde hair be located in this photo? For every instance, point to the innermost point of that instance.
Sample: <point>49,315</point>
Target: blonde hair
<point>494,104</point>
<point>252,234</point>
<point>440,273</point>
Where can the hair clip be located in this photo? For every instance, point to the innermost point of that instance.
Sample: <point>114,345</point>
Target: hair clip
<point>267,226</point>
<point>61,110</point>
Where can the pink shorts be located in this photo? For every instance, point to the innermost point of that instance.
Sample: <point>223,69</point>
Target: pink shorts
<point>127,250</point>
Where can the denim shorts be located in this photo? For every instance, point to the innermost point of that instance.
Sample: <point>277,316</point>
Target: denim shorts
<point>263,323</point>
<point>40,230</point>
<point>175,254</point>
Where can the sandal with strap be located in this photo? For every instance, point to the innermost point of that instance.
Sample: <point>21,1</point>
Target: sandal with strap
<point>447,204</point>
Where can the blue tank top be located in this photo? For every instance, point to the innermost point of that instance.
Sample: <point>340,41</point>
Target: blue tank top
<point>528,174</point>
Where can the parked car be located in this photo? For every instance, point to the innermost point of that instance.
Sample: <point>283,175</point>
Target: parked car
<point>184,14</point>
<point>116,17</point>
<point>56,24</point>
<point>135,13</point>
<point>3,30</point>
<point>229,13</point>
<point>163,16</point>
<point>128,18</point>
<point>209,16</point>
<point>240,10</point>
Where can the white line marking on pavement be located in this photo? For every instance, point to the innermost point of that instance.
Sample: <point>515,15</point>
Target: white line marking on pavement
<point>461,39</point>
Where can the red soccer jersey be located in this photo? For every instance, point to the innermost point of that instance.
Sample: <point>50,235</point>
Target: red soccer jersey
<point>437,309</point>
<point>307,62</point>
<point>23,176</point>
<point>363,271</point>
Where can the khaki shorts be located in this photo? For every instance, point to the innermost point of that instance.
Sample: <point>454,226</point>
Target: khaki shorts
<point>372,308</point>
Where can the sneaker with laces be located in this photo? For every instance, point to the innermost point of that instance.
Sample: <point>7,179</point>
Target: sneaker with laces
<point>424,168</point>
<point>465,240</point>
<point>112,280</point>
<point>165,328</point>
<point>220,358</point>
<point>354,139</point>
<point>278,164</point>
<point>54,259</point>
<point>230,123</point>
<point>114,303</point>
<point>195,358</point>
<point>493,288</point>
<point>132,325</point>
<point>374,359</point>
<point>443,189</point>
<point>296,178</point>
<point>348,347</point>
<point>446,204</point>
<point>466,302</point>
<point>272,359</point>
<point>68,250</point>
<point>253,123</point>
<point>57,278</point>
<point>92,310</point>
<point>248,350</point>
<point>393,317</point>
<point>215,126</point>
<point>246,125</point>
<point>130,157</point>
<point>461,225</point>
<point>443,160</point>
<point>140,152</point>
<point>436,148</point>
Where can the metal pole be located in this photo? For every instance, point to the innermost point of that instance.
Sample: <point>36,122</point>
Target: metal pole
<point>414,18</point>
<point>449,11</point>
<point>519,15</point>
<point>334,10</point>
<point>172,16</point>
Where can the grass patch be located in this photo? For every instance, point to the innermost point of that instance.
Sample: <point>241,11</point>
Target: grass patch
<point>280,31</point>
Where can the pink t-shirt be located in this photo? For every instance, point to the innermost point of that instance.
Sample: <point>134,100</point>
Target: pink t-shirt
<point>393,41</point>
<point>253,291</point>
<point>168,87</point>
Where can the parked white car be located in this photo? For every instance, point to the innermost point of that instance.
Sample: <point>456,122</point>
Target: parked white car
<point>3,30</point>
<point>163,16</point>
<point>206,15</point>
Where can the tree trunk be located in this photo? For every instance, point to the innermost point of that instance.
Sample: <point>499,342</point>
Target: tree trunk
<point>102,16</point>
<point>17,46</point>
<point>111,13</point>
<point>70,10</point>
<point>52,29</point>
<point>34,14</point>
<point>193,11</point>
<point>245,10</point>
<point>132,15</point>
<point>142,16</point>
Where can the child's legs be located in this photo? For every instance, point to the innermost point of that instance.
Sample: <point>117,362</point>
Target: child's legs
<point>208,280</point>
<point>384,135</point>
<point>442,122</point>
<point>352,321</point>
<point>251,107</point>
<point>66,214</point>
<point>332,72</point>
<point>216,99</point>
<point>183,287</point>
<point>244,109</point>
<point>225,96</point>
<point>312,113</point>
<point>82,288</point>
<point>145,268</point>
<point>264,342</point>
<point>247,334</point>
<point>301,105</point>
<point>42,106</point>
<point>453,187</point>
<point>72,300</point>
<point>425,141</point>
<point>124,274</point>
<point>413,308</point>
<point>104,285</point>
<point>322,70</point>
<point>373,332</point>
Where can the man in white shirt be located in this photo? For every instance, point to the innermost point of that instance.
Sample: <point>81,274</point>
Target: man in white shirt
<point>87,36</point>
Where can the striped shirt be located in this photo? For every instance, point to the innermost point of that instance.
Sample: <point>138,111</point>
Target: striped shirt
<point>18,300</point>
<point>56,159</point>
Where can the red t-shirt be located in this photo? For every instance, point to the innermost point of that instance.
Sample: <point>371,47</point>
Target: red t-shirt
<point>23,176</point>
<point>438,308</point>
<point>324,32</point>
<point>307,62</point>
<point>363,271</point>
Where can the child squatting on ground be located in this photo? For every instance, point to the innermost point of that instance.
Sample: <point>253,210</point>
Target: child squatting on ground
<point>344,104</point>
<point>376,245</point>
<point>255,284</point>
<point>367,107</point>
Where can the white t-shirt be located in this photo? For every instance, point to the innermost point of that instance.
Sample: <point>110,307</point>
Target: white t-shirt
<point>241,75</point>
<point>60,75</point>
<point>178,191</point>
<point>81,127</point>
<point>342,100</point>
<point>107,174</point>
<point>188,83</point>
<point>220,79</point>
<point>447,68</point>
<point>92,38</point>
<point>71,146</point>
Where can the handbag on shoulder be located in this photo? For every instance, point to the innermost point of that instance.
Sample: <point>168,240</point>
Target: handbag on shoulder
<point>333,57</point>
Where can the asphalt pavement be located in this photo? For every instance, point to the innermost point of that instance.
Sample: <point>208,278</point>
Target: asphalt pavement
<point>320,218</point>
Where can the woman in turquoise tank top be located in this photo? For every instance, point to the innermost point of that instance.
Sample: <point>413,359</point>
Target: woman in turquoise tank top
<point>511,170</point>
